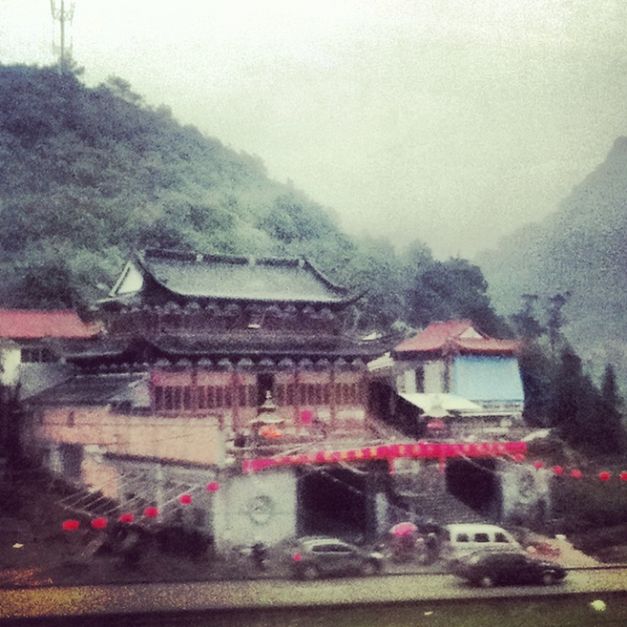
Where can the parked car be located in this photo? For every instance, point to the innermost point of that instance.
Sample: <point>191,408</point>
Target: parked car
<point>313,557</point>
<point>461,539</point>
<point>491,568</point>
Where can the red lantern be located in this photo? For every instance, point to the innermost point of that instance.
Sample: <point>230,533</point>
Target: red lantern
<point>519,457</point>
<point>623,475</point>
<point>213,487</point>
<point>575,473</point>
<point>99,523</point>
<point>558,471</point>
<point>382,452</point>
<point>185,499</point>
<point>70,525</point>
<point>604,475</point>
<point>538,464</point>
<point>126,518</point>
<point>151,512</point>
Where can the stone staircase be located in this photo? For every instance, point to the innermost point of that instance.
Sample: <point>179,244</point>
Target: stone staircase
<point>424,494</point>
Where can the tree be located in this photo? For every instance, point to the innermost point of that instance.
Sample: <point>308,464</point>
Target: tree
<point>580,412</point>
<point>610,415</point>
<point>536,371</point>
<point>555,320</point>
<point>453,289</point>
<point>525,321</point>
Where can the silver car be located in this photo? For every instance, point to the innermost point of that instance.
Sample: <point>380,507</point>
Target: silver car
<point>313,557</point>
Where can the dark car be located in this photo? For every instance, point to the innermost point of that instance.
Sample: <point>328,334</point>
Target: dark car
<point>313,557</point>
<point>489,569</point>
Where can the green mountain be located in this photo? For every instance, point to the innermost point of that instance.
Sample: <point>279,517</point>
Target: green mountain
<point>86,174</point>
<point>89,174</point>
<point>580,249</point>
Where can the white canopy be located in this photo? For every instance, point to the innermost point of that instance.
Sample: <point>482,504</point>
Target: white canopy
<point>441,405</point>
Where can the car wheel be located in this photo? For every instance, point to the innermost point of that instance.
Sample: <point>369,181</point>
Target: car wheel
<point>548,578</point>
<point>310,573</point>
<point>369,568</point>
<point>486,582</point>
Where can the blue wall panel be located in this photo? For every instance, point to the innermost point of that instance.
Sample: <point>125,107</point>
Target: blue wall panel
<point>487,378</point>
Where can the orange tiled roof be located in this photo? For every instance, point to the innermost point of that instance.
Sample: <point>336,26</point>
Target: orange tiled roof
<point>31,324</point>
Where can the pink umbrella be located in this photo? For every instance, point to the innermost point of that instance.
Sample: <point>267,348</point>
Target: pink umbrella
<point>403,529</point>
<point>436,425</point>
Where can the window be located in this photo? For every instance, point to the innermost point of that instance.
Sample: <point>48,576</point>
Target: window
<point>420,379</point>
<point>500,537</point>
<point>280,394</point>
<point>211,397</point>
<point>187,398</point>
<point>37,355</point>
<point>252,396</point>
<point>158,392</point>
<point>202,397</point>
<point>176,397</point>
<point>482,537</point>
<point>326,394</point>
<point>219,396</point>
<point>167,398</point>
<point>289,394</point>
<point>462,537</point>
<point>241,393</point>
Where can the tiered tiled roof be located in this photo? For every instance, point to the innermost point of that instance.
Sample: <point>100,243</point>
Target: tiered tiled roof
<point>447,337</point>
<point>187,275</point>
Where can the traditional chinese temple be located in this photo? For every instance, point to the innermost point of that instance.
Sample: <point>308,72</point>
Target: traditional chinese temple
<point>228,390</point>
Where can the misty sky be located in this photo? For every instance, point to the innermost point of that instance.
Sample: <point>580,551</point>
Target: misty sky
<point>449,121</point>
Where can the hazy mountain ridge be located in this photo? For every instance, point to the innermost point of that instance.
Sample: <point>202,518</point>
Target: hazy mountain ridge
<point>87,171</point>
<point>581,248</point>
<point>89,174</point>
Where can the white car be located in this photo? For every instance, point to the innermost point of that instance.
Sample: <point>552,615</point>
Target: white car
<point>461,539</point>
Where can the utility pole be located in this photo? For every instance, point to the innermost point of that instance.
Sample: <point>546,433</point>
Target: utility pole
<point>62,15</point>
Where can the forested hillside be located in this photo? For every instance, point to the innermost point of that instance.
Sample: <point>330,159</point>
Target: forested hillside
<point>88,174</point>
<point>580,252</point>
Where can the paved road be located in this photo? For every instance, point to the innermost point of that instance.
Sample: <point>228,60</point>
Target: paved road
<point>114,599</point>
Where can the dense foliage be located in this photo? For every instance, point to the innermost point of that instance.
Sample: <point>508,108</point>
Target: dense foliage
<point>88,174</point>
<point>558,393</point>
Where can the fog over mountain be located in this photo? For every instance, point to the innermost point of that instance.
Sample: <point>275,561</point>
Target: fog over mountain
<point>446,120</point>
<point>581,248</point>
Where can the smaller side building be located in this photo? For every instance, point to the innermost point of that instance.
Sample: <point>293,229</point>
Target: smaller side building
<point>31,360</point>
<point>451,370</point>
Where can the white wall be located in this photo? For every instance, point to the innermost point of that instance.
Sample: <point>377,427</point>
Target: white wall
<point>434,377</point>
<point>10,357</point>
<point>256,507</point>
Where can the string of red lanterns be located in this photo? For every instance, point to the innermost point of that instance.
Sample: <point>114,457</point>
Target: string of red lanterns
<point>516,451</point>
<point>410,450</point>
<point>100,523</point>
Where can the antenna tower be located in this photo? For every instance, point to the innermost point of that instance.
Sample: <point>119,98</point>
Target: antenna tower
<point>63,15</point>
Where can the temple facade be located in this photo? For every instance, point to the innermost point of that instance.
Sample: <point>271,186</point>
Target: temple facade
<point>205,362</point>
